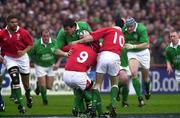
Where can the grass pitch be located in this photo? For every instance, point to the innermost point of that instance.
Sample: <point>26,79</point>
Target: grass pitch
<point>61,105</point>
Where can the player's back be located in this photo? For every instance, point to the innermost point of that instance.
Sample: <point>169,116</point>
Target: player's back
<point>113,39</point>
<point>81,59</point>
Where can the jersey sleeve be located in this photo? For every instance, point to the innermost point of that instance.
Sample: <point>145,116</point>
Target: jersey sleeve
<point>98,34</point>
<point>86,26</point>
<point>61,38</point>
<point>143,35</point>
<point>27,38</point>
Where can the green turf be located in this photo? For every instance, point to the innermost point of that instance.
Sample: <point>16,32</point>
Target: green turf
<point>61,105</point>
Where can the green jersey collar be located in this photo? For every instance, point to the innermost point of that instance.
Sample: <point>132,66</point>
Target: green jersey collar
<point>50,41</point>
<point>174,46</point>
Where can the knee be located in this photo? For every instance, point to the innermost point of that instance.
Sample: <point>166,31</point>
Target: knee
<point>14,74</point>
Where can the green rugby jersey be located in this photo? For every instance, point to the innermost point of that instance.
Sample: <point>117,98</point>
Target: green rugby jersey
<point>139,35</point>
<point>173,55</point>
<point>43,55</point>
<point>63,38</point>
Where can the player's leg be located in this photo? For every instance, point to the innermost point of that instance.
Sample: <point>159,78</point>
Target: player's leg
<point>2,104</point>
<point>49,82</point>
<point>43,89</point>
<point>145,75</point>
<point>145,62</point>
<point>24,68</point>
<point>133,66</point>
<point>96,98</point>
<point>113,94</point>
<point>37,90</point>
<point>14,74</point>
<point>124,82</point>
<point>25,81</point>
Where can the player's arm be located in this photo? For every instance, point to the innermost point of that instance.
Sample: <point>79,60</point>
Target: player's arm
<point>169,67</point>
<point>61,38</point>
<point>168,61</point>
<point>86,39</point>
<point>28,40</point>
<point>139,46</point>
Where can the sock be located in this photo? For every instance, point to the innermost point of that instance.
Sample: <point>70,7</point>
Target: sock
<point>13,94</point>
<point>96,101</point>
<point>43,91</point>
<point>88,99</point>
<point>137,86</point>
<point>1,99</point>
<point>19,96</point>
<point>147,87</point>
<point>114,92</point>
<point>125,93</point>
<point>87,96</point>
<point>78,100</point>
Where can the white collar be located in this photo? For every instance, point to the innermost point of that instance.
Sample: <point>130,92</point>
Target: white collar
<point>9,31</point>
<point>174,46</point>
<point>50,41</point>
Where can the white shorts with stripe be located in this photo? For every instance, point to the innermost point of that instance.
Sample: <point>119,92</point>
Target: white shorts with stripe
<point>142,56</point>
<point>76,79</point>
<point>21,62</point>
<point>108,62</point>
<point>44,71</point>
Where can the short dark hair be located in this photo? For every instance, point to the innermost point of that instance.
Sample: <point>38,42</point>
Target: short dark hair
<point>11,17</point>
<point>69,23</point>
<point>119,22</point>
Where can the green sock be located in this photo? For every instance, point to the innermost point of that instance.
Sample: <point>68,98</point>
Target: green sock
<point>114,92</point>
<point>13,94</point>
<point>87,96</point>
<point>147,86</point>
<point>43,91</point>
<point>125,93</point>
<point>19,96</point>
<point>96,101</point>
<point>78,100</point>
<point>81,106</point>
<point>137,86</point>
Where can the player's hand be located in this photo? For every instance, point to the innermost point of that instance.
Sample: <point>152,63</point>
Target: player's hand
<point>55,67</point>
<point>169,69</point>
<point>130,46</point>
<point>20,53</point>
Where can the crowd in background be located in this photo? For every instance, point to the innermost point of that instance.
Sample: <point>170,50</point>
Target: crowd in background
<point>159,16</point>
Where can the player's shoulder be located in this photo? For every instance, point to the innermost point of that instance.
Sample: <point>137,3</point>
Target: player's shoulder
<point>82,23</point>
<point>23,30</point>
<point>141,27</point>
<point>169,48</point>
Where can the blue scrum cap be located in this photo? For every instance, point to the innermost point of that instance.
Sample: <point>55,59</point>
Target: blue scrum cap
<point>130,22</point>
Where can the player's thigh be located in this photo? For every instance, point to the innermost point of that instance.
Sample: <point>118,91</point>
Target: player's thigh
<point>49,81</point>
<point>24,64</point>
<point>42,81</point>
<point>76,79</point>
<point>108,62</point>
<point>113,66</point>
<point>10,62</point>
<point>144,58</point>
<point>40,71</point>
